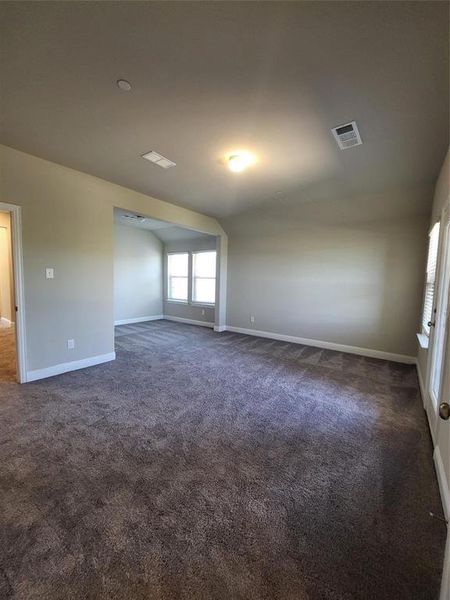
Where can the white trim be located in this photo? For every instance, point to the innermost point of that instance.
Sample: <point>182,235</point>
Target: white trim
<point>445,584</point>
<point>220,328</point>
<point>138,320</point>
<point>402,358</point>
<point>423,390</point>
<point>6,321</point>
<point>442,480</point>
<point>445,494</point>
<point>192,303</point>
<point>19,293</point>
<point>70,366</point>
<point>423,340</point>
<point>185,302</point>
<point>188,321</point>
<point>204,304</point>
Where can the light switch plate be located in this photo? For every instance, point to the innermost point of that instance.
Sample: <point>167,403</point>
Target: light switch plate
<point>49,273</point>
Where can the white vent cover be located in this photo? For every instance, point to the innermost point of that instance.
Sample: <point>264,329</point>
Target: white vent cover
<point>347,135</point>
<point>159,160</point>
<point>138,218</point>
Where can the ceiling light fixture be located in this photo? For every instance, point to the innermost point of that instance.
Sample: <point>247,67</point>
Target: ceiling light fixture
<point>123,85</point>
<point>238,161</point>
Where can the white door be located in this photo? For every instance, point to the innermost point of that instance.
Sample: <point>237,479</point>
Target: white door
<point>438,382</point>
<point>442,460</point>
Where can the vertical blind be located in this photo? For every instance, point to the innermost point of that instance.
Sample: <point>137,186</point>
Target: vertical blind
<point>430,279</point>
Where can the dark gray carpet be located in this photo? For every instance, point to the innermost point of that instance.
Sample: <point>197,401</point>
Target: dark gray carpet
<point>218,466</point>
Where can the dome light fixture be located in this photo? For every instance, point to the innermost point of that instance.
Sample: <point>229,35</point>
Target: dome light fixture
<point>123,85</point>
<point>240,160</point>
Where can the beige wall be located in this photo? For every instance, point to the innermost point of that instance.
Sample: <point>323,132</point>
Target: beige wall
<point>68,224</point>
<point>345,270</point>
<point>6,271</point>
<point>442,190</point>
<point>138,261</point>
<point>187,311</point>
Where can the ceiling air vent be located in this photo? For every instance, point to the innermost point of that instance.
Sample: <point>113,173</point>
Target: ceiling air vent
<point>347,135</point>
<point>159,160</point>
<point>138,218</point>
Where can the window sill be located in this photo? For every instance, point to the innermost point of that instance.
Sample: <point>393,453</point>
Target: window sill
<point>205,304</point>
<point>423,340</point>
<point>186,303</point>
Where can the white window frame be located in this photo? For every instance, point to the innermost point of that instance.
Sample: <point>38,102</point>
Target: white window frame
<point>190,300</point>
<point>438,337</point>
<point>425,329</point>
<point>195,302</point>
<point>168,276</point>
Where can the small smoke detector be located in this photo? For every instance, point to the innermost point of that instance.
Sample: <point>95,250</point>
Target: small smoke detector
<point>123,85</point>
<point>347,135</point>
<point>159,160</point>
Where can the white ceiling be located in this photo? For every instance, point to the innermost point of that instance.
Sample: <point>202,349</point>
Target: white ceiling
<point>210,77</point>
<point>163,230</point>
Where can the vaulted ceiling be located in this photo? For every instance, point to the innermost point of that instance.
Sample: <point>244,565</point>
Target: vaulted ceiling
<point>210,77</point>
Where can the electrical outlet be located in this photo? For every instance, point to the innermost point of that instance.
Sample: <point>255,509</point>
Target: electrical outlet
<point>70,344</point>
<point>252,318</point>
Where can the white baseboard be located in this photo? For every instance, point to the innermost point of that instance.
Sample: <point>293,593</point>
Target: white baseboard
<point>6,321</point>
<point>424,396</point>
<point>401,358</point>
<point>445,584</point>
<point>138,320</point>
<point>188,321</point>
<point>443,482</point>
<point>220,328</point>
<point>445,497</point>
<point>70,366</point>
<point>438,464</point>
<point>421,384</point>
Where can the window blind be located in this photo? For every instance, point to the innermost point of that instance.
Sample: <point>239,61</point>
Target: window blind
<point>430,279</point>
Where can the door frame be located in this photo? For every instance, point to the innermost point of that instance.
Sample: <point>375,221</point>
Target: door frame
<point>19,294</point>
<point>431,407</point>
<point>432,411</point>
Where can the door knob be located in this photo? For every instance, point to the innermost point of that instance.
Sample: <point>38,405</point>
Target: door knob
<point>444,411</point>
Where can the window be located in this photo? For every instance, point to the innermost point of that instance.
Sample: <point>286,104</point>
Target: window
<point>430,279</point>
<point>191,277</point>
<point>204,277</point>
<point>178,276</point>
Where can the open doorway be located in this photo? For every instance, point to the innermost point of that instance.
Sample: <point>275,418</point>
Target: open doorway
<point>8,354</point>
<point>12,306</point>
<point>162,271</point>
